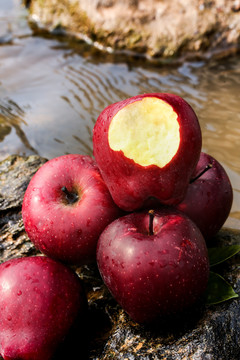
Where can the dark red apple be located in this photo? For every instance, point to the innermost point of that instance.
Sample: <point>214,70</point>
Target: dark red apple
<point>66,207</point>
<point>209,196</point>
<point>154,263</point>
<point>147,146</point>
<point>39,302</point>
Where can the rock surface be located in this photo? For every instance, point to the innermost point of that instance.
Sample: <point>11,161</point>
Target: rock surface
<point>205,333</point>
<point>153,28</point>
<point>15,174</point>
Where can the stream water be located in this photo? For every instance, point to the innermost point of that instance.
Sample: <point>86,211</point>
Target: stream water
<point>52,91</point>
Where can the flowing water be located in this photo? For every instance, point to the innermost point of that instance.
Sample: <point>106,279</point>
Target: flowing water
<point>52,91</point>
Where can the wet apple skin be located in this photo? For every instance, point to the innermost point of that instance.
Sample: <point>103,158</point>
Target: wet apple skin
<point>68,232</point>
<point>131,184</point>
<point>153,276</point>
<point>209,198</point>
<point>39,301</point>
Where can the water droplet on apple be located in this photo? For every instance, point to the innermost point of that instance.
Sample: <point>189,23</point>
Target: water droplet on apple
<point>9,318</point>
<point>19,293</point>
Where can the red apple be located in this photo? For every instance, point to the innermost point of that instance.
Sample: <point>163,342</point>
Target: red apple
<point>154,263</point>
<point>209,196</point>
<point>147,146</point>
<point>66,207</point>
<point>39,302</point>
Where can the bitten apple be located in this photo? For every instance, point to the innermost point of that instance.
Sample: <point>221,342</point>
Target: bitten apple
<point>40,300</point>
<point>209,196</point>
<point>147,146</point>
<point>154,263</point>
<point>66,207</point>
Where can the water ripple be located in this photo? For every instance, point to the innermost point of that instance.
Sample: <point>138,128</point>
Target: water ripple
<point>51,95</point>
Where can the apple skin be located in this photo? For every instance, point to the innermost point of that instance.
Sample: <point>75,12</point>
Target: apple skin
<point>40,300</point>
<point>68,231</point>
<point>153,276</point>
<point>209,198</point>
<point>131,184</point>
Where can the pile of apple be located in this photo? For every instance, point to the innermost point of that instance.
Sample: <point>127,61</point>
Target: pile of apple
<point>144,209</point>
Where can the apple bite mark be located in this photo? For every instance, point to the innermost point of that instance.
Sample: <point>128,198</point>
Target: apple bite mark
<point>143,127</point>
<point>147,146</point>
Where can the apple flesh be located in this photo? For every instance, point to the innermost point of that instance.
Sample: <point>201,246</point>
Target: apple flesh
<point>39,302</point>
<point>147,146</point>
<point>66,207</point>
<point>154,263</point>
<point>209,196</point>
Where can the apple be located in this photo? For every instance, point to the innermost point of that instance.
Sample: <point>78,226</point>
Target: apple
<point>147,146</point>
<point>209,196</point>
<point>66,207</point>
<point>40,300</point>
<point>155,263</point>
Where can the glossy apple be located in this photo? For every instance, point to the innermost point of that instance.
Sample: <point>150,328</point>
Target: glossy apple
<point>66,207</point>
<point>209,196</point>
<point>147,146</point>
<point>40,300</point>
<point>154,264</point>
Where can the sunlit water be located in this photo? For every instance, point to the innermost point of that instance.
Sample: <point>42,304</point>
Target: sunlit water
<point>52,92</point>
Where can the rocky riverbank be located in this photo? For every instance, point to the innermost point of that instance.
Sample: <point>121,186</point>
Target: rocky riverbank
<point>150,28</point>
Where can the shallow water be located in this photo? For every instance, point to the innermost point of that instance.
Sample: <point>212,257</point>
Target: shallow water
<point>52,91</point>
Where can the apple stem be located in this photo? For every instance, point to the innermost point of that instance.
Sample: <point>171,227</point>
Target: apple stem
<point>71,197</point>
<point>207,167</point>
<point>151,217</point>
